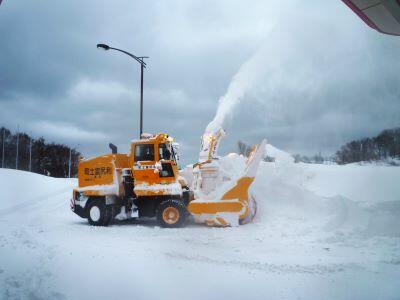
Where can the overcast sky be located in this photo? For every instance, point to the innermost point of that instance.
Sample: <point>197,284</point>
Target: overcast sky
<point>320,76</point>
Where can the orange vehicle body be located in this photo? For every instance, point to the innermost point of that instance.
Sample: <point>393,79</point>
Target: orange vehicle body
<point>138,181</point>
<point>106,170</point>
<point>101,171</point>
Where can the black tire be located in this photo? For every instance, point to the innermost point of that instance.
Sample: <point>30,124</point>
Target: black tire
<point>98,214</point>
<point>176,208</point>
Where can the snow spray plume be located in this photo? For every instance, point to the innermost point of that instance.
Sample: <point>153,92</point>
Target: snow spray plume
<point>240,84</point>
<point>244,79</point>
<point>286,65</point>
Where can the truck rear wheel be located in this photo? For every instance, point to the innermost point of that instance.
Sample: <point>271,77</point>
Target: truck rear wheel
<point>171,213</point>
<point>98,213</point>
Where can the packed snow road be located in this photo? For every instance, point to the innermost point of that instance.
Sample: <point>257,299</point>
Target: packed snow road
<point>322,232</point>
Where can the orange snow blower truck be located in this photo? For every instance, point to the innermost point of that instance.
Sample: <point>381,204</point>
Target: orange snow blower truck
<point>143,183</point>
<point>146,183</point>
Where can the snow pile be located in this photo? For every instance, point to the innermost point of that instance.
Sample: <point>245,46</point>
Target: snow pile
<point>287,191</point>
<point>279,155</point>
<point>28,189</point>
<point>232,165</point>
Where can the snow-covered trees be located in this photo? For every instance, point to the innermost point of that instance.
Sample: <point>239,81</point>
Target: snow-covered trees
<point>384,146</point>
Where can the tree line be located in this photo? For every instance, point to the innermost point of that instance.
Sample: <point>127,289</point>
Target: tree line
<point>383,147</point>
<point>317,158</point>
<point>36,155</point>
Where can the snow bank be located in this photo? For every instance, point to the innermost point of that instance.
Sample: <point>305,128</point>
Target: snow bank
<point>20,188</point>
<point>365,184</point>
<point>352,200</point>
<point>279,155</point>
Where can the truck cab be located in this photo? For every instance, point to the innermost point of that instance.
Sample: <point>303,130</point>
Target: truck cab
<point>153,161</point>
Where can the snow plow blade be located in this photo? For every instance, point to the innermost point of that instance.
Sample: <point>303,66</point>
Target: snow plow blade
<point>233,205</point>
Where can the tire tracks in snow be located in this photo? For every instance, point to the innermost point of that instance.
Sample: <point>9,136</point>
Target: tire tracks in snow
<point>35,281</point>
<point>317,269</point>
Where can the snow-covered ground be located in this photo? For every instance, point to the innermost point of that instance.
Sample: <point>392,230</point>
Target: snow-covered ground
<point>321,232</point>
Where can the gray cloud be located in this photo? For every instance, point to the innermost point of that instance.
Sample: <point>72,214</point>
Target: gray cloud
<point>323,77</point>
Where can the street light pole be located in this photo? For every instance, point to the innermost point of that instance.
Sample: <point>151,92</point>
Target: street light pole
<point>141,99</point>
<point>16,157</point>
<point>2,158</point>
<point>140,60</point>
<point>69,163</point>
<point>30,153</point>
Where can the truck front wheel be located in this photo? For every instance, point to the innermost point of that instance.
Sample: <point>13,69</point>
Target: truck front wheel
<point>171,213</point>
<point>98,213</point>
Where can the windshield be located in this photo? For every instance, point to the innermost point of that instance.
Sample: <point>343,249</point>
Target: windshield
<point>144,152</point>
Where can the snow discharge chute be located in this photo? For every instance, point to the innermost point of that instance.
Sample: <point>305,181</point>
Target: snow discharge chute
<point>222,200</point>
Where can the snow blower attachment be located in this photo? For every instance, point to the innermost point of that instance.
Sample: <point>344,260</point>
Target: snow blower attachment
<point>219,199</point>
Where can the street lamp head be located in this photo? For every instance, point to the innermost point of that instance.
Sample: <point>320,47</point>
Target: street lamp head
<point>103,46</point>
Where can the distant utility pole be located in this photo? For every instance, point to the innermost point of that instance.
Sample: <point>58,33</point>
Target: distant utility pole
<point>16,157</point>
<point>2,158</point>
<point>30,153</point>
<point>70,161</point>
